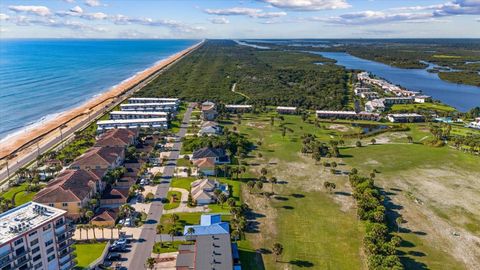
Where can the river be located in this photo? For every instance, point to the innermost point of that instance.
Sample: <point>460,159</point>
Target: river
<point>463,97</point>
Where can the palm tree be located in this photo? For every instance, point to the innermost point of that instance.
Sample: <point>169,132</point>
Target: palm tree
<point>221,199</point>
<point>89,214</point>
<point>174,218</point>
<point>273,181</point>
<point>190,231</point>
<point>93,229</point>
<point>250,185</point>
<point>172,232</point>
<point>80,228</point>
<point>277,250</point>
<point>102,227</point>
<point>150,263</point>
<point>259,185</point>
<point>87,229</point>
<point>160,229</point>
<point>399,221</point>
<point>119,227</point>
<point>231,202</point>
<point>373,141</point>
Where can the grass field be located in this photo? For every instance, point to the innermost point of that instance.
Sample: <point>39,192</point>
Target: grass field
<point>172,204</point>
<point>422,106</point>
<point>87,253</point>
<point>160,248</point>
<point>311,225</point>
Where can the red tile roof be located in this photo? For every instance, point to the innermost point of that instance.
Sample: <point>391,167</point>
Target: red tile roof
<point>70,186</point>
<point>99,156</point>
<point>116,137</point>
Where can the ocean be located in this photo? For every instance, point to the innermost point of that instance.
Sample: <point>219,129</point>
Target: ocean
<point>41,78</point>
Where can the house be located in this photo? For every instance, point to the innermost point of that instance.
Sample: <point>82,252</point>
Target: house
<point>71,190</point>
<point>422,99</point>
<point>368,116</point>
<point>336,114</point>
<point>209,111</point>
<point>105,217</point>
<point>158,123</point>
<point>100,158</point>
<point>117,138</point>
<point>212,244</point>
<point>359,90</point>
<point>202,190</point>
<point>209,128</point>
<point>209,152</point>
<point>205,166</point>
<point>113,197</point>
<point>286,110</point>
<point>369,95</point>
<point>160,107</point>
<point>152,100</point>
<point>115,115</point>
<point>238,108</point>
<point>375,105</point>
<point>397,100</point>
<point>475,124</point>
<point>405,117</point>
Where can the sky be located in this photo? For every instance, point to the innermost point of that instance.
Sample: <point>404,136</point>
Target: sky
<point>239,19</point>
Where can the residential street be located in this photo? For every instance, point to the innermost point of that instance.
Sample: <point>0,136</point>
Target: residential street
<point>142,247</point>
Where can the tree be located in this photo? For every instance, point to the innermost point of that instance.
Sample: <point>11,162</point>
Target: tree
<point>284,131</point>
<point>373,141</point>
<point>317,156</point>
<point>410,139</point>
<point>221,199</point>
<point>89,214</point>
<point>358,144</point>
<point>259,185</point>
<point>150,263</point>
<point>190,231</point>
<point>273,181</point>
<point>231,202</point>
<point>329,186</point>
<point>174,218</point>
<point>264,171</point>
<point>272,120</point>
<point>250,185</point>
<point>172,232</point>
<point>277,250</point>
<point>399,221</point>
<point>80,228</point>
<point>119,228</point>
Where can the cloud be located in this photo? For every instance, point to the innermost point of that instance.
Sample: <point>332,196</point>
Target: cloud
<point>250,12</point>
<point>219,20</point>
<point>36,10</point>
<point>308,5</point>
<point>435,12</point>
<point>77,9</point>
<point>69,1</point>
<point>92,3</point>
<point>51,22</point>
<point>4,17</point>
<point>172,24</point>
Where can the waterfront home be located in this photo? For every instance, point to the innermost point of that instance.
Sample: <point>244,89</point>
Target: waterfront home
<point>137,115</point>
<point>286,110</point>
<point>238,108</point>
<point>475,124</point>
<point>210,224</point>
<point>202,190</point>
<point>405,117</point>
<point>72,190</point>
<point>100,158</point>
<point>397,100</point>
<point>105,217</point>
<point>336,114</point>
<point>209,128</point>
<point>153,100</point>
<point>218,154</point>
<point>369,95</point>
<point>209,111</point>
<point>359,90</point>
<point>157,123</point>
<point>117,138</point>
<point>162,107</point>
<point>422,99</point>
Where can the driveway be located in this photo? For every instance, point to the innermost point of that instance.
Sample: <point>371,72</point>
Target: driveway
<point>183,207</point>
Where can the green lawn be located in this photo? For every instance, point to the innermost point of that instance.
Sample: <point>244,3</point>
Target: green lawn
<point>175,125</point>
<point>160,248</point>
<point>184,219</point>
<point>181,162</point>
<point>183,182</point>
<point>21,195</point>
<point>88,253</point>
<point>171,203</point>
<point>422,106</point>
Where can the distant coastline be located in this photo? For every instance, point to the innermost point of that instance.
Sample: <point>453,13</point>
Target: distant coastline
<point>72,117</point>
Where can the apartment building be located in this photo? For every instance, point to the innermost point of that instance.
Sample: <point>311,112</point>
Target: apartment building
<point>35,236</point>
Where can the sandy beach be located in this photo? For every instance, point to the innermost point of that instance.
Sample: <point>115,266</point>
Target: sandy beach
<point>15,148</point>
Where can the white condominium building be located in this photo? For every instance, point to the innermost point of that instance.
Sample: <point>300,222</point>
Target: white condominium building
<point>160,123</point>
<point>152,100</point>
<point>35,236</point>
<point>163,107</point>
<point>114,115</point>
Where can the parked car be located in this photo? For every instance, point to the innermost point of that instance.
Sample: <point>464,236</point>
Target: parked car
<point>128,222</point>
<point>114,256</point>
<point>122,241</point>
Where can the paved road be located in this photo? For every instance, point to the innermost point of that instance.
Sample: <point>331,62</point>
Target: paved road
<point>142,248</point>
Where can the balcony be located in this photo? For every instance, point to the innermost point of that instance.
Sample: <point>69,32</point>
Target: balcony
<point>6,261</point>
<point>65,245</point>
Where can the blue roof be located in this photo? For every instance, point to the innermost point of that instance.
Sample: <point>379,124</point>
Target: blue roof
<point>235,253</point>
<point>206,220</point>
<point>217,228</point>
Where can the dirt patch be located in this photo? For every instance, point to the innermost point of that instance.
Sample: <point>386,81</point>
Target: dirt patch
<point>339,127</point>
<point>256,125</point>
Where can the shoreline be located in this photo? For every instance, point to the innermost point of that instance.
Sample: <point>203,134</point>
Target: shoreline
<point>42,130</point>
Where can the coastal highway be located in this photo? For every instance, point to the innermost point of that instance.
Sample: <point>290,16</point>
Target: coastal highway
<point>68,133</point>
<point>142,247</point>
